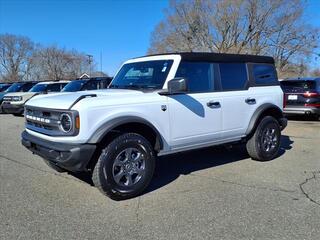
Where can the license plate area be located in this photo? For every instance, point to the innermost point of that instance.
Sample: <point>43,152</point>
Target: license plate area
<point>293,97</point>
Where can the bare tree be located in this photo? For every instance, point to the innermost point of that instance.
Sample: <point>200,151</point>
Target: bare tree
<point>315,72</point>
<point>15,53</point>
<point>268,27</point>
<point>53,63</point>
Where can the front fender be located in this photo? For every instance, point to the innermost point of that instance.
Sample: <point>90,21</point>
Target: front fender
<point>105,128</point>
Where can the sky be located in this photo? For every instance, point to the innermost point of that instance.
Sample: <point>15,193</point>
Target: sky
<point>119,29</point>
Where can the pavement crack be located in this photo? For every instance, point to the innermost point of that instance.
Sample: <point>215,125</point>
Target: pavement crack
<point>37,169</point>
<point>304,192</point>
<point>247,185</point>
<point>138,217</point>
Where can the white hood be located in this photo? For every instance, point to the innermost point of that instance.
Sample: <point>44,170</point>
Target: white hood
<point>67,99</point>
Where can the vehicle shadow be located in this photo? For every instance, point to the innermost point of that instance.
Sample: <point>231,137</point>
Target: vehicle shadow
<point>303,118</point>
<point>169,168</point>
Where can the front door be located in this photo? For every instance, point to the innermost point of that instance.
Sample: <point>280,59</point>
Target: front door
<point>195,117</point>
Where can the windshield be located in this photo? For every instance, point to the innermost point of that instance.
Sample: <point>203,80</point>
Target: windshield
<point>14,87</point>
<point>298,85</point>
<point>142,75</point>
<point>74,86</point>
<point>4,87</point>
<point>38,88</point>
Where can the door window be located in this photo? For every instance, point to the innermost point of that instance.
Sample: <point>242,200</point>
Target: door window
<point>198,74</point>
<point>233,76</point>
<point>56,87</point>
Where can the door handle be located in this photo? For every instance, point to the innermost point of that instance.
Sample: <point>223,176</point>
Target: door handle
<point>251,101</point>
<point>213,104</point>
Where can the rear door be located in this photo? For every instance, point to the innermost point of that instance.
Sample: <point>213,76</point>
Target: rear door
<point>237,103</point>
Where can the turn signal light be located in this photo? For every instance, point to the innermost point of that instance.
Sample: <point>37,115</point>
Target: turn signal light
<point>77,122</point>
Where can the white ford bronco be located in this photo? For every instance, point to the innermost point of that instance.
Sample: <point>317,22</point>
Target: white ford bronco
<point>158,105</point>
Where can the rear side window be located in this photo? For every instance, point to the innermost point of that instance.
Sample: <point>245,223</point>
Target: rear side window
<point>233,76</point>
<point>264,74</point>
<point>198,74</point>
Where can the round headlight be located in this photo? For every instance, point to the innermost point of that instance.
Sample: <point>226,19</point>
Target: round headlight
<point>65,122</point>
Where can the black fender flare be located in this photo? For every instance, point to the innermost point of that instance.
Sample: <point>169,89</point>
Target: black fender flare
<point>108,126</point>
<point>267,107</point>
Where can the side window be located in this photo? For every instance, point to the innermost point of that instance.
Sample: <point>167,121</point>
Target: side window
<point>198,74</point>
<point>92,85</point>
<point>264,74</point>
<point>233,76</point>
<point>26,87</point>
<point>56,87</point>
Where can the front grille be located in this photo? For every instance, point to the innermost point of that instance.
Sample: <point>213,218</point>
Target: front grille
<point>43,121</point>
<point>7,98</point>
<point>47,121</point>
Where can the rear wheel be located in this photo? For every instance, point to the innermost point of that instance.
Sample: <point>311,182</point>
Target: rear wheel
<point>264,144</point>
<point>125,167</point>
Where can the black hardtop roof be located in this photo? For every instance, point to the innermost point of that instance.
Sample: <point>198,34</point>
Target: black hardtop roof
<point>302,79</point>
<point>220,57</point>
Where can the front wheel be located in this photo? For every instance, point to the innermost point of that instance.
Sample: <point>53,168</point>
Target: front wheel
<point>125,167</point>
<point>264,144</point>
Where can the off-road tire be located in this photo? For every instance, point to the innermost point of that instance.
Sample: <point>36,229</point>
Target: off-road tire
<point>255,144</point>
<point>103,175</point>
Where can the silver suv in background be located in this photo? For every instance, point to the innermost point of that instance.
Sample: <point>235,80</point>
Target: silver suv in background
<point>14,102</point>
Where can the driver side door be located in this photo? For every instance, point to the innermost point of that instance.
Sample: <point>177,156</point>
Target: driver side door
<point>195,116</point>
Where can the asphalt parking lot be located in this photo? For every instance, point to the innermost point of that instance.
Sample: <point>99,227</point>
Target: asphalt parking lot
<point>215,193</point>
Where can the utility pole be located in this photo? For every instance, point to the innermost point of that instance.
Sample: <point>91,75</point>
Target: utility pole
<point>90,60</point>
<point>101,62</point>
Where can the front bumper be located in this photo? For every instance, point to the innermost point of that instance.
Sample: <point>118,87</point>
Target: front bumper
<point>12,108</point>
<point>72,157</point>
<point>301,110</point>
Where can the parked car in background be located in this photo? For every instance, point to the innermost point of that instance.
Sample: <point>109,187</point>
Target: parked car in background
<point>4,86</point>
<point>301,96</point>
<point>14,103</point>
<point>16,87</point>
<point>87,84</point>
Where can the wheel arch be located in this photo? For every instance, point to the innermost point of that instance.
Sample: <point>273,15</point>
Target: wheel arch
<point>128,124</point>
<point>266,109</point>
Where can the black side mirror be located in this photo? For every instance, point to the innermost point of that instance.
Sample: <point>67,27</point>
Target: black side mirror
<point>176,86</point>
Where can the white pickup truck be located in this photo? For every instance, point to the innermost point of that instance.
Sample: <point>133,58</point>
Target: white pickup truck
<point>158,105</point>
